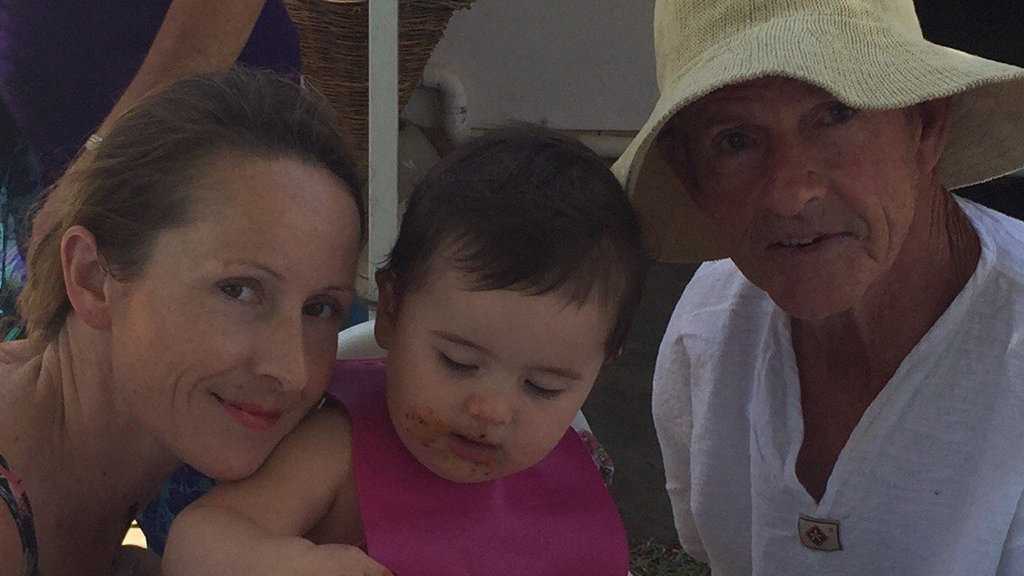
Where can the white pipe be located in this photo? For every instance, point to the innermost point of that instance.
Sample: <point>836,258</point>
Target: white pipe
<point>383,151</point>
<point>455,115</point>
<point>454,103</point>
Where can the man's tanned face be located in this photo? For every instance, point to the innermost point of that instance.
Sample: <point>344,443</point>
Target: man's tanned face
<point>814,198</point>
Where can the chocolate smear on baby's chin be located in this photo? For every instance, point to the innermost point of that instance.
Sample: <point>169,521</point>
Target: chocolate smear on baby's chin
<point>423,424</point>
<point>485,470</point>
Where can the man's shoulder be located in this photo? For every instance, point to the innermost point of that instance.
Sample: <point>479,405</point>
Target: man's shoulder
<point>996,303</point>
<point>1002,236</point>
<point>717,303</point>
<point>719,287</point>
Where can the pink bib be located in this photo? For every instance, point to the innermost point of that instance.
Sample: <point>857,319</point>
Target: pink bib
<point>555,518</point>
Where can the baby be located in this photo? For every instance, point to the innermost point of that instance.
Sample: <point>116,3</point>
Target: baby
<point>514,278</point>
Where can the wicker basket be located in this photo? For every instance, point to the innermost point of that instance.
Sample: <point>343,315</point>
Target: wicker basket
<point>333,39</point>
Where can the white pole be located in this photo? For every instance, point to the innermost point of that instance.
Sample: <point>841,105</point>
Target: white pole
<point>383,145</point>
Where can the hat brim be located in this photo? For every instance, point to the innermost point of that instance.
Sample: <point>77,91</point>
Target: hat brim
<point>866,65</point>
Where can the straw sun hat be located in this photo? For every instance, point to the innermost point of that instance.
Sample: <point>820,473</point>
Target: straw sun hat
<point>867,53</point>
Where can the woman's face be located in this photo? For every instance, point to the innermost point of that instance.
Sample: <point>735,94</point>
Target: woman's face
<point>229,335</point>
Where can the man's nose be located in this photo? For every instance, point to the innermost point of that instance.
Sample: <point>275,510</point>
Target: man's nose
<point>794,179</point>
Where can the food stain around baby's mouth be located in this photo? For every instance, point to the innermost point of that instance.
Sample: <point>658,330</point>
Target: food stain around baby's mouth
<point>428,429</point>
<point>424,425</point>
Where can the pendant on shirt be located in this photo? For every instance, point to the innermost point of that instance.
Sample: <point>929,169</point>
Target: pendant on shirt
<point>819,533</point>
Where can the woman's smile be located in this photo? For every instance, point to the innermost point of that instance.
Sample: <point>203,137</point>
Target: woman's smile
<point>250,415</point>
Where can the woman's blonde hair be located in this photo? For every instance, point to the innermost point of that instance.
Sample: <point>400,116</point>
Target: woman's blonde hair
<point>137,182</point>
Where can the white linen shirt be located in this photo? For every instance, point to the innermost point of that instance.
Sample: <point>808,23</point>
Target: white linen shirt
<point>930,481</point>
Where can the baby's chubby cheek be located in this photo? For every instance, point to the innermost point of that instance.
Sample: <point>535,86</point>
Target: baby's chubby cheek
<point>422,425</point>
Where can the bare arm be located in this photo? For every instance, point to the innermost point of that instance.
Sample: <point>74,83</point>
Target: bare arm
<point>255,526</point>
<point>196,36</point>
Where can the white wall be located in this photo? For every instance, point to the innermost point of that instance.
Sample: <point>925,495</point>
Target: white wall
<point>569,64</point>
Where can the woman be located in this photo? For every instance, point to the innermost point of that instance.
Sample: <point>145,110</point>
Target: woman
<point>184,308</point>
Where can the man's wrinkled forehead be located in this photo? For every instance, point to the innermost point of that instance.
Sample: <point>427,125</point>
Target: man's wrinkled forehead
<point>753,89</point>
<point>757,94</point>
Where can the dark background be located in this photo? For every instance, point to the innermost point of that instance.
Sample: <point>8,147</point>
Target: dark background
<point>993,30</point>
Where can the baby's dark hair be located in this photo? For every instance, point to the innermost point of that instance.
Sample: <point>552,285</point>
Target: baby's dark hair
<point>526,209</point>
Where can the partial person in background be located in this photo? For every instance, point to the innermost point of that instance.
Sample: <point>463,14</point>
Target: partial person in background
<point>184,308</point>
<point>69,68</point>
<point>18,186</point>
<point>843,394</point>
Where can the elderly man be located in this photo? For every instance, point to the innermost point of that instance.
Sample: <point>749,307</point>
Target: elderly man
<point>845,393</point>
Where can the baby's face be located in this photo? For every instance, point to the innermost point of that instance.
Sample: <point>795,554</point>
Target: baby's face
<point>483,384</point>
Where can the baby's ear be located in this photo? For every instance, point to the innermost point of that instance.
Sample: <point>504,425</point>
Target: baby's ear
<point>387,309</point>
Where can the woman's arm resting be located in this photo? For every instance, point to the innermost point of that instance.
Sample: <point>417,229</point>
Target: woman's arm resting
<point>255,526</point>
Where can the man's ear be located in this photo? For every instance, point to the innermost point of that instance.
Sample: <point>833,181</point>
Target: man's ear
<point>933,132</point>
<point>387,309</point>
<point>86,279</point>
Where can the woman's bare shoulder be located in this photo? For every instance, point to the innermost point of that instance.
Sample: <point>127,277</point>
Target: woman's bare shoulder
<point>19,360</point>
<point>11,554</point>
<point>12,427</point>
<point>18,351</point>
<point>20,365</point>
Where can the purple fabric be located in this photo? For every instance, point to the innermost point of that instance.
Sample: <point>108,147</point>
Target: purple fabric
<point>555,518</point>
<point>64,63</point>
